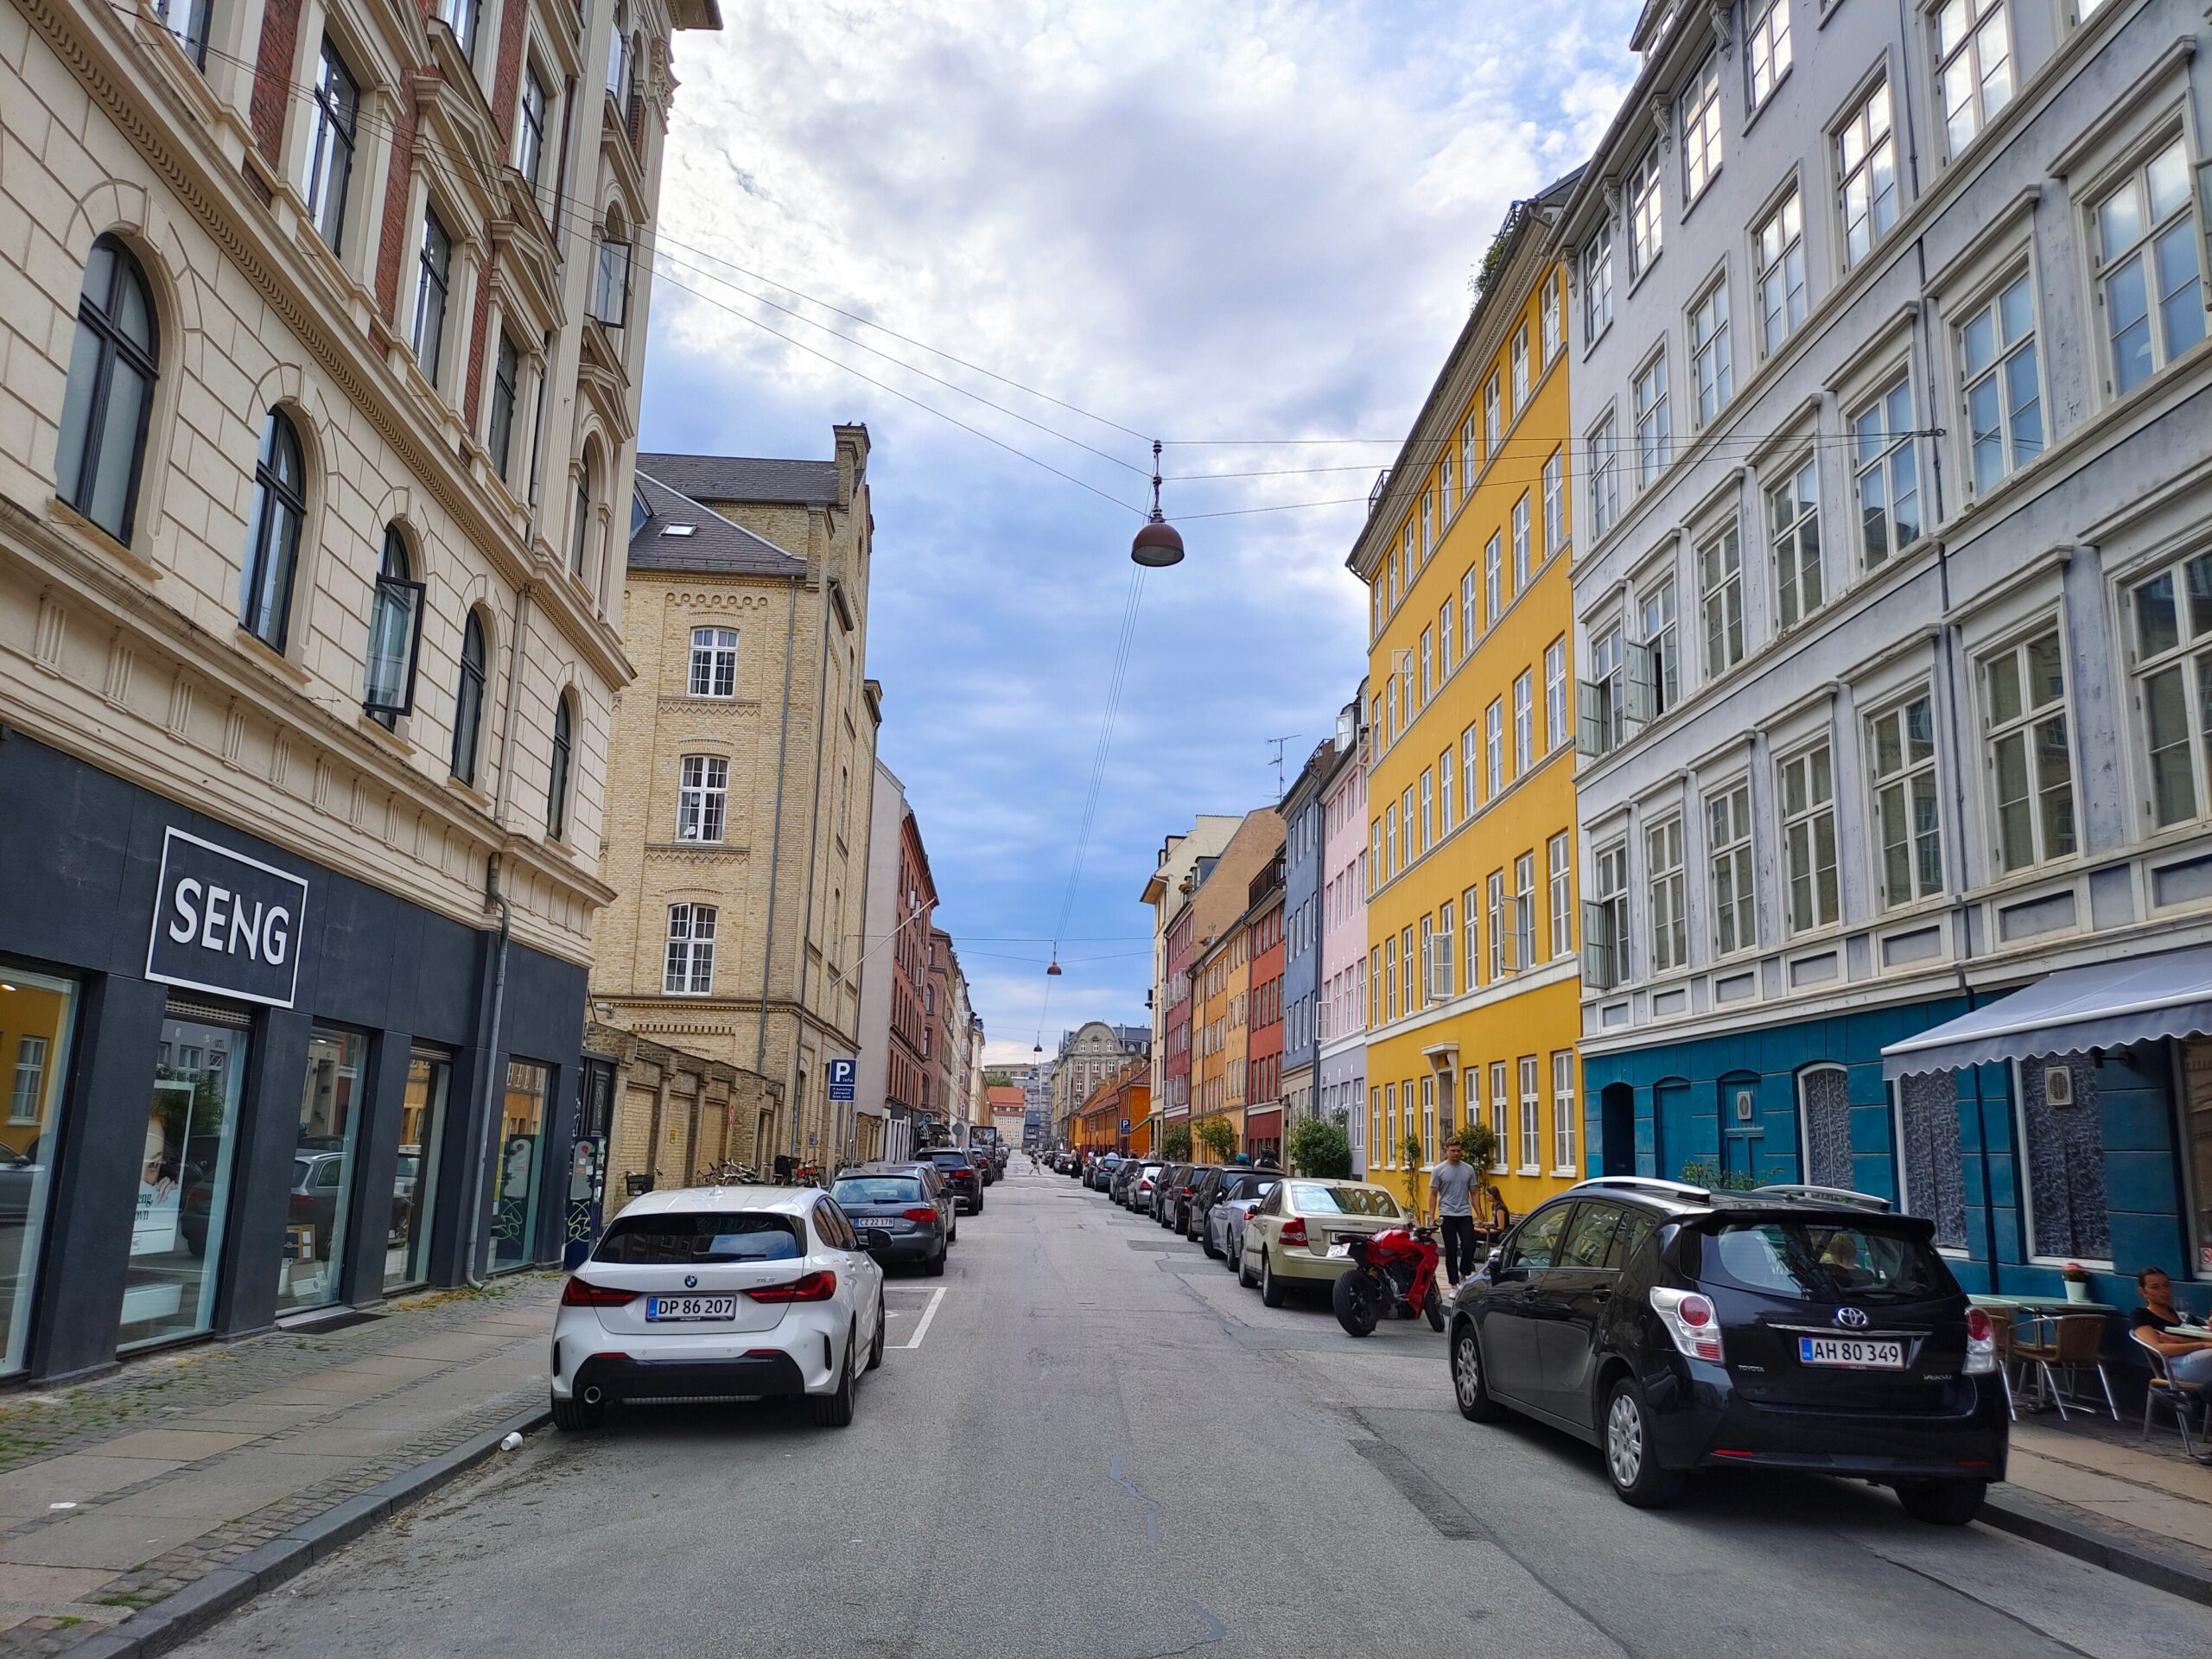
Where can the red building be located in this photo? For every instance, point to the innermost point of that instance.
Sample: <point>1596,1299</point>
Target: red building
<point>1263,1047</point>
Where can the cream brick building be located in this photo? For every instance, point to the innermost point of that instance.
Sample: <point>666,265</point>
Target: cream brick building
<point>323,337</point>
<point>744,760</point>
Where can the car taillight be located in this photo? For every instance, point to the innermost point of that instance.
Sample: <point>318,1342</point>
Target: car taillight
<point>1293,1231</point>
<point>818,1286</point>
<point>918,1214</point>
<point>578,1293</point>
<point>1690,1319</point>
<point>1981,1343</point>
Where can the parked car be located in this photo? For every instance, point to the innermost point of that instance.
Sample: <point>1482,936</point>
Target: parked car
<point>1141,1189</point>
<point>986,1170</point>
<point>1234,1201</point>
<point>918,1222</point>
<point>960,1174</point>
<point>1163,1184</point>
<point>1679,1329</point>
<point>1287,1238</point>
<point>1203,1190</point>
<point>318,1179</point>
<point>1102,1172</point>
<point>729,1293</point>
<point>1125,1177</point>
<point>1177,1218</point>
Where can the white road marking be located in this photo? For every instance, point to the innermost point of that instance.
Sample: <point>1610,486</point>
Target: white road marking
<point>937,1299</point>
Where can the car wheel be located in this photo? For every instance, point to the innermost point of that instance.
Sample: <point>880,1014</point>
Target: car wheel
<point>1232,1252</point>
<point>876,1348</point>
<point>1205,1242</point>
<point>1469,1386</point>
<point>1243,1273</point>
<point>1270,1287</point>
<point>935,1265</point>
<point>835,1410</point>
<point>1943,1503</point>
<point>574,1417</point>
<point>953,1237</point>
<point>1631,1460</point>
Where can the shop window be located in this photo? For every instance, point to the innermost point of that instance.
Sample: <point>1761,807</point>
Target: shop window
<point>184,1178</point>
<point>1824,1125</point>
<point>322,1172</point>
<point>2063,1148</point>
<point>518,1177</point>
<point>1928,1115</point>
<point>414,1183</point>
<point>35,1027</point>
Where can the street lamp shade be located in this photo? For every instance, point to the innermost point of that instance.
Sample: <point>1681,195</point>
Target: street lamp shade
<point>1158,544</point>
<point>1053,972</point>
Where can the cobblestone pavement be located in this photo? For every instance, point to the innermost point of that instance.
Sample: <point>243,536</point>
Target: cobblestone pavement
<point>122,1491</point>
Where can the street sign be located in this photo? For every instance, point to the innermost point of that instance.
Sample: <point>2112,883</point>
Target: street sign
<point>1125,1126</point>
<point>842,1073</point>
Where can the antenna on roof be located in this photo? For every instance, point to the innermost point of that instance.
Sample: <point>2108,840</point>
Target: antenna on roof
<point>1278,742</point>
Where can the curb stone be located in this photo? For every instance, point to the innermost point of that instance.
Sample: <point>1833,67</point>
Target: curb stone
<point>221,1591</point>
<point>2025,1516</point>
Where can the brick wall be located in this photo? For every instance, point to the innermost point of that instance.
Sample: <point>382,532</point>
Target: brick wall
<point>272,76</point>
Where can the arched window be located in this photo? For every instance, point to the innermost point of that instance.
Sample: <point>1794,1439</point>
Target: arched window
<point>110,392</point>
<point>272,550</point>
<point>580,528</point>
<point>556,788</point>
<point>1824,1125</point>
<point>610,286</point>
<point>468,701</point>
<point>395,635</point>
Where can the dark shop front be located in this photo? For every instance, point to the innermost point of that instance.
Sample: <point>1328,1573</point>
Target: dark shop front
<point>244,1088</point>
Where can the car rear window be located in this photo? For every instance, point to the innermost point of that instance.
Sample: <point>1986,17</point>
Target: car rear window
<point>638,1240</point>
<point>1308,1199</point>
<point>877,1189</point>
<point>1825,1261</point>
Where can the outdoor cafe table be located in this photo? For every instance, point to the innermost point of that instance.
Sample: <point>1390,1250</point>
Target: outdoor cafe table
<point>2042,1306</point>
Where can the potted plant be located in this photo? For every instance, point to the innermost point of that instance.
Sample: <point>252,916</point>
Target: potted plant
<point>2077,1282</point>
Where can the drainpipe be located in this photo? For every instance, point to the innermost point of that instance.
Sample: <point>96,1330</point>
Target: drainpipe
<point>492,897</point>
<point>776,838</point>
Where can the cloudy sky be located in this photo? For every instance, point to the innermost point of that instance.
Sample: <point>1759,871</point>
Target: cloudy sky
<point>1202,219</point>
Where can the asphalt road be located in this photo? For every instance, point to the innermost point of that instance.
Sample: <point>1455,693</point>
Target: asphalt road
<point>1094,1443</point>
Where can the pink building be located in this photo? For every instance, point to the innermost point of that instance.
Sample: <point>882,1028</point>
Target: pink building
<point>1340,1083</point>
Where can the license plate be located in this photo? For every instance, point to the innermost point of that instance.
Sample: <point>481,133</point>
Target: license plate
<point>659,1309</point>
<point>1851,1353</point>
<point>1342,1251</point>
<point>887,1223</point>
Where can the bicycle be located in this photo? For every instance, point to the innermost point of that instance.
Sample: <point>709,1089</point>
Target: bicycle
<point>727,1172</point>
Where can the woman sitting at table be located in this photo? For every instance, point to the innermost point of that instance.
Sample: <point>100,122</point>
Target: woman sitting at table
<point>2189,1359</point>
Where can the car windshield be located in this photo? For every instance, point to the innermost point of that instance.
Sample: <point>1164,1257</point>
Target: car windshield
<point>1309,1198</point>
<point>877,1189</point>
<point>1825,1261</point>
<point>636,1241</point>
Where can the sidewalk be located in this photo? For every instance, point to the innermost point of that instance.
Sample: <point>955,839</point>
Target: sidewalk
<point>187,1482</point>
<point>2095,1489</point>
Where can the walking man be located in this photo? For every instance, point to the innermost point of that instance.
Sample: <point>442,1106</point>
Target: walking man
<point>1451,1188</point>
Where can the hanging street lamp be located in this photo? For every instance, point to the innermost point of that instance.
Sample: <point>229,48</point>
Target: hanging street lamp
<point>1158,543</point>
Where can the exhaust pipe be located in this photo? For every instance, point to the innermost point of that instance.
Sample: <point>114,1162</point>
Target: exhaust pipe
<point>592,1395</point>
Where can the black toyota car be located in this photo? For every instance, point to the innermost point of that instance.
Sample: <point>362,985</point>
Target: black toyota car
<point>1790,1327</point>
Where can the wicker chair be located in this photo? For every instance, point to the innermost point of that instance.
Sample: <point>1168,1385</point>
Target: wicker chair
<point>2180,1398</point>
<point>2072,1345</point>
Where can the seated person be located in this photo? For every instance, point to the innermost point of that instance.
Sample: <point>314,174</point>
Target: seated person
<point>2189,1359</point>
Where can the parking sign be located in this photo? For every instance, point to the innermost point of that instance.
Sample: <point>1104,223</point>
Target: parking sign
<point>842,1073</point>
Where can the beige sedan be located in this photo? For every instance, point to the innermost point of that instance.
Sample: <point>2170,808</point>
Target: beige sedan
<point>1287,1240</point>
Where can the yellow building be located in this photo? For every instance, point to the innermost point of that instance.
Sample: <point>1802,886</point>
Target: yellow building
<point>1474,988</point>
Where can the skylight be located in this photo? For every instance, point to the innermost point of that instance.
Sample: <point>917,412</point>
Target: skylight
<point>679,529</point>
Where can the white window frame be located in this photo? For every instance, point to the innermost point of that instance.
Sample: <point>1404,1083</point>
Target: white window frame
<point>1653,420</point>
<point>1525,735</point>
<point>1665,892</point>
<point>1646,208</point>
<point>1549,316</point>
<point>1493,582</point>
<point>2029,726</point>
<point>1713,371</point>
<point>1719,557</point>
<point>1605,913</point>
<point>1555,502</point>
<point>1971,91</point>
<point>1522,542</point>
<point>1808,816</point>
<point>1791,547</point>
<point>1519,359</point>
<point>1732,871</point>
<point>1500,1104</point>
<point>1767,49</point>
<point>1861,147</point>
<point>1558,853</point>
<point>1781,283</point>
<point>1883,452</point>
<point>702,799</point>
<point>689,943</point>
<point>1598,284</point>
<point>1602,441</point>
<point>1555,712</point>
<point>2138,253</point>
<point>1700,125</point>
<point>2012,350</point>
<point>1494,747</point>
<point>713,671</point>
<point>1563,1124</point>
<point>1532,1122</point>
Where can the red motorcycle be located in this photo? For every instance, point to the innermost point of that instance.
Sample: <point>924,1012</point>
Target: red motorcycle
<point>1392,1272</point>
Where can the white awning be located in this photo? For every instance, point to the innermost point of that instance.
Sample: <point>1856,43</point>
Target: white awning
<point>2139,999</point>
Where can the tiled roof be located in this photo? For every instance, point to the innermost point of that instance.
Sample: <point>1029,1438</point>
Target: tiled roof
<point>710,545</point>
<point>739,478</point>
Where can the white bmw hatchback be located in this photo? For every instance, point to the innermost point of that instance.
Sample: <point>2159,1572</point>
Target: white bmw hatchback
<point>720,1292</point>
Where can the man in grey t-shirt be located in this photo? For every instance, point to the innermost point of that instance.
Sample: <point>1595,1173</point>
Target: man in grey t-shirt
<point>1451,1187</point>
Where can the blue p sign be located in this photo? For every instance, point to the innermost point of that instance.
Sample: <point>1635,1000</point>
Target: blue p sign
<point>842,1074</point>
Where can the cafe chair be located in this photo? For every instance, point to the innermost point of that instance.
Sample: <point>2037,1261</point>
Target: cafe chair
<point>2180,1398</point>
<point>2000,1331</point>
<point>2071,1346</point>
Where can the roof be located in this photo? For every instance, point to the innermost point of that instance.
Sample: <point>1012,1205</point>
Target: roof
<point>739,478</point>
<point>711,544</point>
<point>779,1200</point>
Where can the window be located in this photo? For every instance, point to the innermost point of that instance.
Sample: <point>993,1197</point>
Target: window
<point>1427,526</point>
<point>1521,369</point>
<point>330,145</point>
<point>1493,582</point>
<point>1390,693</point>
<point>395,636</point>
<point>1532,1128</point>
<point>714,663</point>
<point>2150,275</point>
<point>1663,643</point>
<point>1662,870</point>
<point>690,965</point>
<point>1444,638</point>
<point>1524,911</point>
<point>1555,503</point>
<point>1728,842</point>
<point>1493,422</point>
<point>556,785</point>
<point>1407,804</point>
<point>1444,481</point>
<point>1427,811</point>
<point>1780,254</point>
<point>1720,592</point>
<point>2004,396</point>
<point>1549,319</point>
<point>280,503</point>
<point>433,272</point>
<point>1428,665</point>
<point>187,20</point>
<point>1555,694</point>
<point>1466,458</point>
<point>1559,853</point>
<point>1524,736</point>
<point>1499,1107</point>
<point>506,377</point>
<point>1710,374</point>
<point>1974,66</point>
<point>1440,976</point>
<point>170,1285</point>
<point>1866,172</point>
<point>1494,746</point>
<point>530,148</point>
<point>2031,768</point>
<point>1562,1111</point>
<point>1605,919</point>
<point>1598,284</point>
<point>1644,213</point>
<point>462,17</point>
<point>610,283</point>
<point>1808,837</point>
<point>1390,838</point>
<point>26,1099</point>
<point>1794,513</point>
<point>1889,481</point>
<point>1471,941</point>
<point>1605,478</point>
<point>1444,790</point>
<point>112,365</point>
<point>1500,930</point>
<point>1602,716</point>
<point>1767,46</point>
<point>1649,397</point>
<point>1467,626</point>
<point>468,700</point>
<point>1520,544</point>
<point>1702,128</point>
